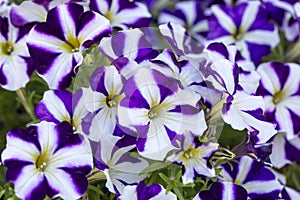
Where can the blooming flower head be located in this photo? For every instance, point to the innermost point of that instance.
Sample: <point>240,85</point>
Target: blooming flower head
<point>158,110</point>
<point>61,105</point>
<point>57,44</point>
<point>245,25</point>
<point>47,159</point>
<point>15,63</point>
<point>102,101</point>
<point>194,158</point>
<point>279,86</point>
<point>112,156</point>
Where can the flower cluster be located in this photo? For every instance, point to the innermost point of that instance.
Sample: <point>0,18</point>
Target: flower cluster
<point>152,99</point>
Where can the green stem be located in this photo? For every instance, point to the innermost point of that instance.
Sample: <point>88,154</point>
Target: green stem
<point>293,54</point>
<point>27,105</point>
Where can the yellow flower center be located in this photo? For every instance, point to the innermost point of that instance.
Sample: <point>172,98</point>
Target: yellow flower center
<point>71,45</point>
<point>113,100</point>
<point>189,154</point>
<point>239,34</point>
<point>155,111</point>
<point>42,161</point>
<point>7,48</point>
<point>278,97</point>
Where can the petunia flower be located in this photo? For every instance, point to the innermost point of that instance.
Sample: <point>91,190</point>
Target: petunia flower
<point>47,159</point>
<point>223,191</point>
<point>190,15</point>
<point>57,44</point>
<point>15,63</point>
<point>159,110</point>
<point>279,86</point>
<point>248,78</point>
<point>284,150</point>
<point>245,25</point>
<point>144,192</point>
<point>102,101</point>
<point>60,105</point>
<point>128,45</point>
<point>123,14</point>
<point>237,108</point>
<point>194,158</point>
<point>258,180</point>
<point>114,159</point>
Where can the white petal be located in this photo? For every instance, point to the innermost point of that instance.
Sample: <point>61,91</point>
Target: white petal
<point>278,157</point>
<point>249,15</point>
<point>262,37</point>
<point>27,181</point>
<point>225,21</point>
<point>269,78</point>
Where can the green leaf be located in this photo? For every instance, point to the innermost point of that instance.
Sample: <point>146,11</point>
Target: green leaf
<point>155,166</point>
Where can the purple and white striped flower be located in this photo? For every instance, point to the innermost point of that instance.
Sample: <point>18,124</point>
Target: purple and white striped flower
<point>102,101</point>
<point>248,78</point>
<point>190,15</point>
<point>279,86</point>
<point>60,105</point>
<point>47,159</point>
<point>57,44</point>
<point>15,63</point>
<point>244,111</point>
<point>223,191</point>
<point>285,151</point>
<point>245,25</point>
<point>194,158</point>
<point>159,110</point>
<point>123,14</point>
<point>237,108</point>
<point>188,76</point>
<point>114,159</point>
<point>128,45</point>
<point>258,180</point>
<point>181,43</point>
<point>144,192</point>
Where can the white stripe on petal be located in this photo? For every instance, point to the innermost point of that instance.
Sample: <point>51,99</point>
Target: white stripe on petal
<point>44,41</point>
<point>19,149</point>
<point>30,11</point>
<point>47,136</point>
<point>291,85</point>
<point>62,65</point>
<point>66,22</point>
<point>15,70</point>
<point>147,85</point>
<point>244,168</point>
<point>263,37</point>
<point>158,143</point>
<point>133,116</point>
<point>91,29</point>
<point>27,181</point>
<point>112,81</point>
<point>224,20</point>
<point>103,123</point>
<point>269,78</point>
<point>56,106</point>
<point>284,119</point>
<point>94,100</point>
<point>262,187</point>
<point>249,15</point>
<point>278,155</point>
<point>166,17</point>
<point>62,181</point>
